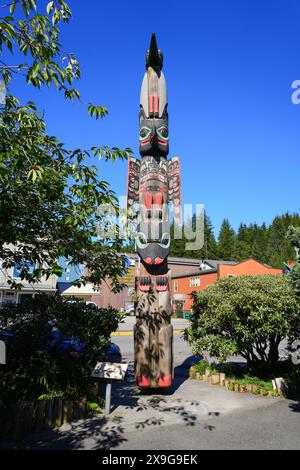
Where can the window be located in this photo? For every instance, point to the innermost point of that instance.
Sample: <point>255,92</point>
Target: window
<point>175,286</point>
<point>9,298</point>
<point>30,267</point>
<point>194,281</point>
<point>24,297</point>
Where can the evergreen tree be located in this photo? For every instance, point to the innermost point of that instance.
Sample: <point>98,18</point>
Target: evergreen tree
<point>242,247</point>
<point>293,237</point>
<point>226,241</point>
<point>177,247</point>
<point>279,249</point>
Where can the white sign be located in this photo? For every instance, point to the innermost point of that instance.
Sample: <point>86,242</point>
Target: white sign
<point>109,370</point>
<point>179,296</point>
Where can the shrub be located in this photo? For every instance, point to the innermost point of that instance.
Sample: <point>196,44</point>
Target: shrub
<point>36,363</point>
<point>231,370</point>
<point>201,367</point>
<point>246,315</point>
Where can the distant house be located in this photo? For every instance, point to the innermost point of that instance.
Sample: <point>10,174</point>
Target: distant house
<point>66,287</point>
<point>211,270</point>
<point>28,290</point>
<point>178,266</point>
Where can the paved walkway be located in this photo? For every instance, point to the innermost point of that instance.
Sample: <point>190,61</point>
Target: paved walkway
<point>187,404</point>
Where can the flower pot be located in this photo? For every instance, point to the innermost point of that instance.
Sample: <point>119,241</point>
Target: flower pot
<point>226,382</point>
<point>236,387</point>
<point>249,388</point>
<point>242,388</point>
<point>198,376</point>
<point>255,389</point>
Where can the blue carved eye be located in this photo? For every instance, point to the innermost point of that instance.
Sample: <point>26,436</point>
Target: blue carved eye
<point>163,132</point>
<point>141,240</point>
<point>144,133</point>
<point>165,240</point>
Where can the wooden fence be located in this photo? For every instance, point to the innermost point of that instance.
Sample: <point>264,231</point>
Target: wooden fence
<point>41,415</point>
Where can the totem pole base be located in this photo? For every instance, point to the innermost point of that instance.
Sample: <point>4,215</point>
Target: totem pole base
<point>153,332</point>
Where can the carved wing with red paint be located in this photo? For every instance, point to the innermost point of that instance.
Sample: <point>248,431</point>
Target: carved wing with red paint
<point>133,177</point>
<point>174,187</point>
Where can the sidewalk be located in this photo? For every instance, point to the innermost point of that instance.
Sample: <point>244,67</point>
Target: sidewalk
<point>188,403</point>
<point>179,325</point>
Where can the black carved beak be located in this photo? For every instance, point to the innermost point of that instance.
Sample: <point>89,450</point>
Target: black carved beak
<point>154,57</point>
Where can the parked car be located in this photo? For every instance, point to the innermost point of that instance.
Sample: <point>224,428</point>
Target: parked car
<point>71,345</point>
<point>129,310</point>
<point>87,302</point>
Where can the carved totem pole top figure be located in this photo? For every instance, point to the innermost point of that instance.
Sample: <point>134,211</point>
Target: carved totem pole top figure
<point>153,182</point>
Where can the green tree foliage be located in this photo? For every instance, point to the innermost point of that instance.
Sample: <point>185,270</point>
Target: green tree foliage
<point>279,249</point>
<point>210,249</point>
<point>267,245</point>
<point>226,241</point>
<point>37,364</point>
<point>49,195</point>
<point>247,316</point>
<point>293,236</point>
<point>177,247</point>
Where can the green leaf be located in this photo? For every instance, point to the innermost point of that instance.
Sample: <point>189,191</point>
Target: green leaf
<point>12,8</point>
<point>35,69</point>
<point>49,7</point>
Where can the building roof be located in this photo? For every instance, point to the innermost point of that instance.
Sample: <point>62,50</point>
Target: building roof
<point>214,262</point>
<point>171,259</point>
<point>197,273</point>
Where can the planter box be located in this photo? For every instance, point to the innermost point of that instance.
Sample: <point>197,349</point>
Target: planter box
<point>249,388</point>
<point>192,373</point>
<point>215,379</point>
<point>236,387</point>
<point>242,388</point>
<point>222,378</point>
<point>198,376</point>
<point>226,382</point>
<point>255,389</point>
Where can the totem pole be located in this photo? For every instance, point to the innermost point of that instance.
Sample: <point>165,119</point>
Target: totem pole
<point>153,182</point>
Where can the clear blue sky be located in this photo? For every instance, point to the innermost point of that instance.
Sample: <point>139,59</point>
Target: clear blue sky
<point>229,66</point>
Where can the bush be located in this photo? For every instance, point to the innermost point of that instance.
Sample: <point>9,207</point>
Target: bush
<point>231,370</point>
<point>36,364</point>
<point>178,310</point>
<point>201,367</point>
<point>246,315</point>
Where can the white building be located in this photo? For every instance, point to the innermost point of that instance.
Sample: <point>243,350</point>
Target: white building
<point>9,295</point>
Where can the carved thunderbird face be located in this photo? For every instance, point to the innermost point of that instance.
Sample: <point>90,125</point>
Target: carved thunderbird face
<point>154,135</point>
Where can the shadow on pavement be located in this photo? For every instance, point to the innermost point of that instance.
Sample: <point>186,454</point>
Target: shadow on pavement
<point>132,410</point>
